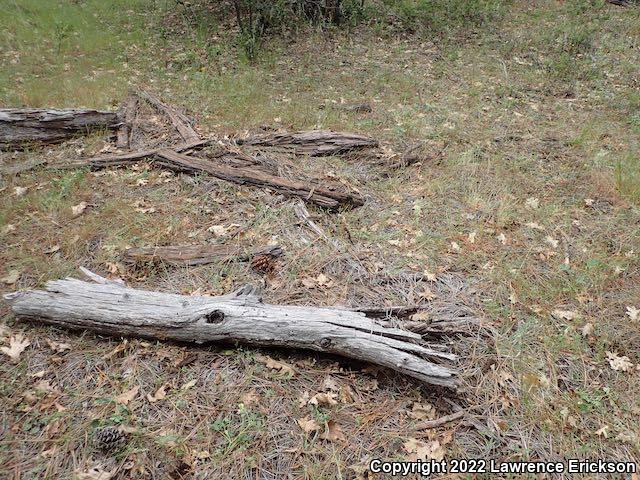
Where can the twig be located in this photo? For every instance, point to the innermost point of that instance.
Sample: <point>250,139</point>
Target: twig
<point>438,422</point>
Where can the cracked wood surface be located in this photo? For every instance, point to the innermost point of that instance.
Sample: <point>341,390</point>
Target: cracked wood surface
<point>20,125</point>
<point>108,307</point>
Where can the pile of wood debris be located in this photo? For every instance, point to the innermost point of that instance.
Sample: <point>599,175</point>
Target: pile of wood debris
<point>148,129</point>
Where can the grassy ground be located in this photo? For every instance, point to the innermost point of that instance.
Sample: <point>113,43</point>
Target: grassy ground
<point>533,201</point>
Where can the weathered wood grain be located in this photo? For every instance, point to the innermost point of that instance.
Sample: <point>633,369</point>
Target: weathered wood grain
<point>21,125</point>
<point>177,119</point>
<point>329,197</point>
<point>109,307</point>
<point>312,142</point>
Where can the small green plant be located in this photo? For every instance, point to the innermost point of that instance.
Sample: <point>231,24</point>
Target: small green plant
<point>62,31</point>
<point>238,430</point>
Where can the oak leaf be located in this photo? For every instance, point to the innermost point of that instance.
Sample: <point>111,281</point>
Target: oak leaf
<point>17,345</point>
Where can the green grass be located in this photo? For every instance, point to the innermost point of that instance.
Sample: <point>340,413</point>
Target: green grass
<point>83,48</point>
<point>528,101</point>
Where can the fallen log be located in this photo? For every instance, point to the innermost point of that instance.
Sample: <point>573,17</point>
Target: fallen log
<point>21,125</point>
<point>326,197</point>
<point>110,308</point>
<point>313,142</point>
<point>197,254</point>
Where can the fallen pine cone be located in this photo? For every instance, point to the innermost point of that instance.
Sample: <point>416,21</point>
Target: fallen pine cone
<point>108,439</point>
<point>263,263</point>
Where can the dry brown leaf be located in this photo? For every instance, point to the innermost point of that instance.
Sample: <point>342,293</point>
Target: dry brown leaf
<point>58,347</point>
<point>160,394</point>
<point>422,411</point>
<point>52,249</point>
<point>282,367</point>
<point>419,450</point>
<point>126,397</point>
<point>20,191</point>
<point>43,386</point>
<point>633,313</point>
<point>420,317</point>
<point>8,228</point>
<point>618,363</point>
<point>17,345</point>
<point>77,210</point>
<point>587,330</point>
<point>564,314</point>
<point>324,399</point>
<point>189,384</point>
<point>333,432</point>
<point>12,277</point>
<point>347,395</point>
<point>308,425</point>
<point>249,398</point>
<point>330,384</point>
<point>120,348</point>
<point>94,473</point>
<point>304,399</point>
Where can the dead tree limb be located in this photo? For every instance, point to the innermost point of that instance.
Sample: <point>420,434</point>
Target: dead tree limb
<point>327,197</point>
<point>178,120</point>
<point>313,142</point>
<point>197,254</point>
<point>110,308</point>
<point>20,125</point>
<point>121,159</point>
<point>439,422</point>
<point>126,115</point>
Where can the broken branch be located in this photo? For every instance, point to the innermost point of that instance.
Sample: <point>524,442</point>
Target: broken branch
<point>197,254</point>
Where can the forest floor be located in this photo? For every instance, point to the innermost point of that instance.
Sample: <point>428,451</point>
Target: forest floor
<point>528,192</point>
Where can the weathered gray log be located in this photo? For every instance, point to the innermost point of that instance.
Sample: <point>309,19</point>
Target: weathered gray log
<point>21,125</point>
<point>108,307</point>
<point>329,196</point>
<point>197,254</point>
<point>312,142</point>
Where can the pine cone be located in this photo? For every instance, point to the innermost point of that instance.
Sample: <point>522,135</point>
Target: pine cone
<point>108,439</point>
<point>263,263</point>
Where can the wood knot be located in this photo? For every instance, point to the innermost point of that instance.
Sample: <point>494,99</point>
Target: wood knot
<point>216,316</point>
<point>325,343</point>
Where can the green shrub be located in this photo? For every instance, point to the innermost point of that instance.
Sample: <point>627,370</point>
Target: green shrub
<point>260,19</point>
